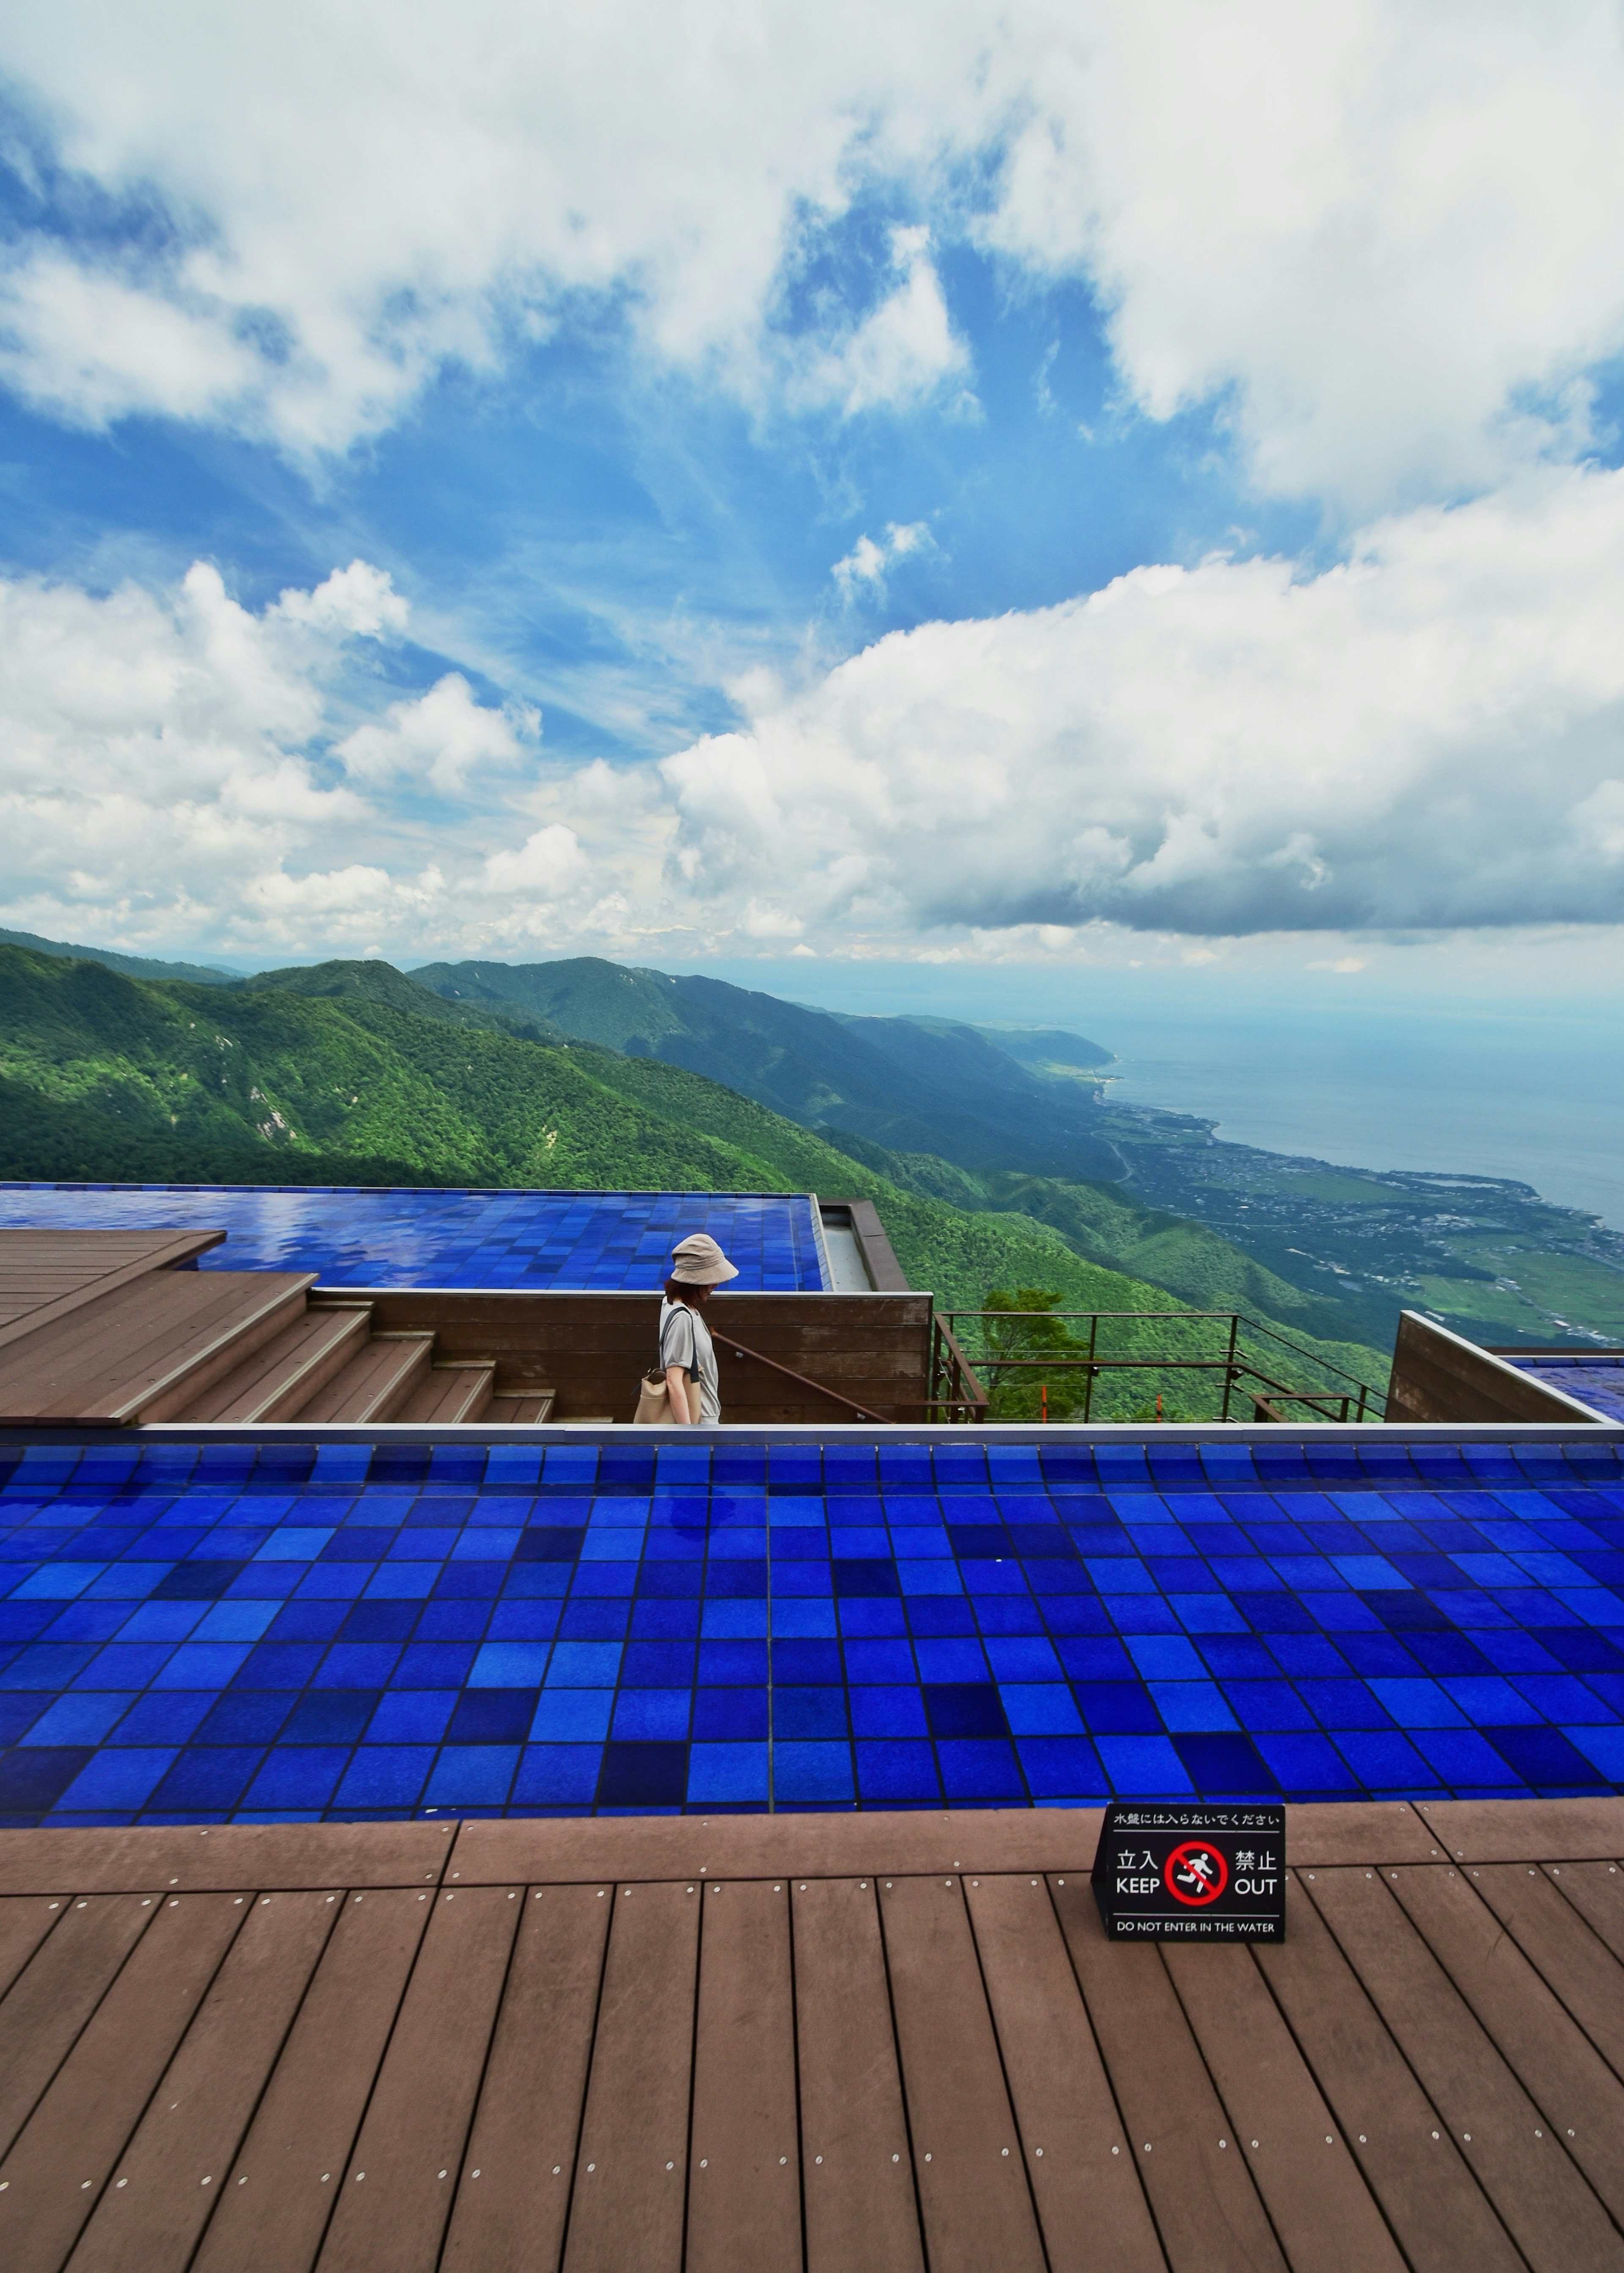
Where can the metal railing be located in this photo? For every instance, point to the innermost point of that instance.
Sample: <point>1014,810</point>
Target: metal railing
<point>1257,1365</point>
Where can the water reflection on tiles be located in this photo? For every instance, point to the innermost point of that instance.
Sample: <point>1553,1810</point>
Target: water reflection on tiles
<point>603,1240</point>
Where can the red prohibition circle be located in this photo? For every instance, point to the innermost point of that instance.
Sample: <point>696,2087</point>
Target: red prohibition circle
<point>1210,1888</point>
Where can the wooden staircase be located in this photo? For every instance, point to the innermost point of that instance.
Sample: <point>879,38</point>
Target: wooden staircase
<point>126,1345</point>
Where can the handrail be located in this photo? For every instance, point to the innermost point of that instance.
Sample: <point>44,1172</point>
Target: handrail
<point>1238,1365</point>
<point>821,1387</point>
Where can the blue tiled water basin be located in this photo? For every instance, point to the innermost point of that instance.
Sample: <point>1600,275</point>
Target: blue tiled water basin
<point>372,1237</point>
<point>1597,1382</point>
<point>221,1630</point>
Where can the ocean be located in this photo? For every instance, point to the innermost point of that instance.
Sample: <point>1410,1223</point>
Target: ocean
<point>1534,1092</point>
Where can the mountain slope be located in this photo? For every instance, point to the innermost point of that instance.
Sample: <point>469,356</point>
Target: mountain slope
<point>941,1088</point>
<point>103,1077</point>
<point>134,966</point>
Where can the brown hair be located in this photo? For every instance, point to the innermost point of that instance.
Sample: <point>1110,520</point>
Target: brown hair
<point>683,1290</point>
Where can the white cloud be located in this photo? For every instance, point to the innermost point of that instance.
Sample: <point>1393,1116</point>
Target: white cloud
<point>440,737</point>
<point>1390,238</point>
<point>900,352</point>
<point>867,561</point>
<point>1429,735</point>
<point>548,864</point>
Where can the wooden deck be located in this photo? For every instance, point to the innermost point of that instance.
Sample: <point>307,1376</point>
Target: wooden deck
<point>822,2042</point>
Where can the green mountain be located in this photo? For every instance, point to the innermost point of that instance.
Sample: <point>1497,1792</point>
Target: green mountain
<point>372,981</point>
<point>105,1077</point>
<point>908,1084</point>
<point>137,966</point>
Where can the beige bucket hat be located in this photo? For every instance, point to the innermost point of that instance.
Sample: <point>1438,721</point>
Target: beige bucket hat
<point>699,1262</point>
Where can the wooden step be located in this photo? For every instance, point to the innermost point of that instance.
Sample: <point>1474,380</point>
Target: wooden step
<point>374,1385</point>
<point>146,1350</point>
<point>280,1379</point>
<point>451,1394</point>
<point>520,1411</point>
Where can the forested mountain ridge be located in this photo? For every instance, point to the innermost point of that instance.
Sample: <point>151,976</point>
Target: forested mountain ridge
<point>115,1078</point>
<point>107,1077</point>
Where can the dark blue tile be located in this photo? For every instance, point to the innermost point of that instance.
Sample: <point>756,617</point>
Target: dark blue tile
<point>549,1543</point>
<point>643,1775</point>
<point>492,1717</point>
<point>1224,1765</point>
<point>730,1715</point>
<point>199,1582</point>
<point>386,1621</point>
<point>330,1716</point>
<point>251,1716</point>
<point>206,1779</point>
<point>1117,1707</point>
<point>33,1778</point>
<point>964,1708</point>
<point>808,1660</point>
<point>864,1575</point>
<point>657,1664</point>
<point>1543,1757</point>
<point>804,1714</point>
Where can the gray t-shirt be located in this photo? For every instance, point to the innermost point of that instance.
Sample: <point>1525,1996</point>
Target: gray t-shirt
<point>684,1341</point>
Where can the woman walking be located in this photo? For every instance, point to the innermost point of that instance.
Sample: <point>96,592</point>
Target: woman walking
<point>687,1355</point>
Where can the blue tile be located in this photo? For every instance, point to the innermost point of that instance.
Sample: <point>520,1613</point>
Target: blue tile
<point>728,1774</point>
<point>894,1712</point>
<point>1062,1768</point>
<point>810,1772</point>
<point>980,1769</point>
<point>728,1715</point>
<point>558,1775</point>
<point>472,1775</point>
<point>893,1773</point>
<point>655,1713</point>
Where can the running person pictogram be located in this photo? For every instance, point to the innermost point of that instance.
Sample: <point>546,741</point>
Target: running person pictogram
<point>1195,1874</point>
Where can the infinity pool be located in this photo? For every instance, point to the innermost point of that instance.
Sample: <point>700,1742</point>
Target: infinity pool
<point>367,1237</point>
<point>198,1631</point>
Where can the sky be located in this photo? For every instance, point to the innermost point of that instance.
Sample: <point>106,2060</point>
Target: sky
<point>1079,490</point>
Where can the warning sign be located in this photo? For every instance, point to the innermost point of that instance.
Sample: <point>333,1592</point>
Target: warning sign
<point>1166,1871</point>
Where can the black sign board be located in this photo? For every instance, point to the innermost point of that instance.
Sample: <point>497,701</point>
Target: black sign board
<point>1165,1871</point>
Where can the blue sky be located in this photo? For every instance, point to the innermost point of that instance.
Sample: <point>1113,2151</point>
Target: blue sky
<point>1048,496</point>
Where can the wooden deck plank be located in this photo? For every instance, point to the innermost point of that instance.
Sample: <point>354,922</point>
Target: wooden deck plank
<point>1091,2203</point>
<point>1434,2203</point>
<point>55,1995</point>
<point>1543,2199</point>
<point>273,2208</point>
<point>1523,1830</point>
<point>974,2199</point>
<point>1597,1892</point>
<point>1206,2207</point>
<point>1549,2054</point>
<point>167,2181</point>
<point>862,2214</point>
<point>1573,1959</point>
<point>143,1350</point>
<point>276,1381</point>
<point>512,2202</point>
<point>1325,2217</point>
<point>597,1848</point>
<point>745,2153</point>
<point>1358,1831</point>
<point>231,1858</point>
<point>61,2159</point>
<point>402,2177</point>
<point>627,2207</point>
<point>44,1275</point>
<point>24,1921</point>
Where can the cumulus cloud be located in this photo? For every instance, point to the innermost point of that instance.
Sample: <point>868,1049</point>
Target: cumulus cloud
<point>1431,734</point>
<point>440,737</point>
<point>165,775</point>
<point>1387,240</point>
